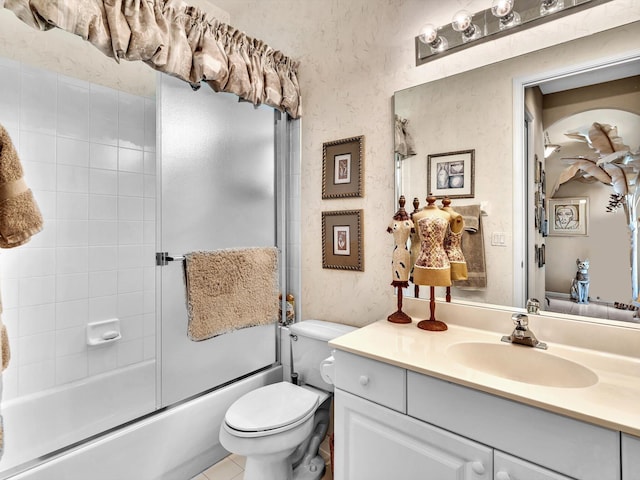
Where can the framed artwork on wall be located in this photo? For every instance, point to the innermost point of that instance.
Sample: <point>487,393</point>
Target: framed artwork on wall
<point>568,216</point>
<point>538,172</point>
<point>342,240</point>
<point>451,174</point>
<point>342,168</point>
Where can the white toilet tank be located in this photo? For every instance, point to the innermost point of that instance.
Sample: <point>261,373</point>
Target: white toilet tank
<point>309,345</point>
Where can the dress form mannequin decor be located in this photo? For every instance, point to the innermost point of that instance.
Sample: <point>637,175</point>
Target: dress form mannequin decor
<point>401,227</point>
<point>432,266</point>
<point>453,245</point>
<point>415,246</point>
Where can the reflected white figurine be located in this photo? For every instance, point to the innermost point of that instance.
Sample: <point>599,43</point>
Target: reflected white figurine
<point>580,284</point>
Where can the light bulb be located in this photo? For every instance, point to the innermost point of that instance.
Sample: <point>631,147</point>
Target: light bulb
<point>548,7</point>
<point>428,33</point>
<point>501,8</point>
<point>461,21</point>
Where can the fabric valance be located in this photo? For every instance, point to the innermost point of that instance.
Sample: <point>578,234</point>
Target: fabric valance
<point>177,39</point>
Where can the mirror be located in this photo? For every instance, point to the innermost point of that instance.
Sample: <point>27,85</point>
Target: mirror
<point>484,110</point>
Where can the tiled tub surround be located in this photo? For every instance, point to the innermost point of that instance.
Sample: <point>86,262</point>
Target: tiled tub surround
<point>88,153</point>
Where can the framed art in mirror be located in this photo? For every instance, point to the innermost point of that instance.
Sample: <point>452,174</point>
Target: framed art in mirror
<point>568,216</point>
<point>540,252</point>
<point>342,247</point>
<point>451,174</point>
<point>342,168</point>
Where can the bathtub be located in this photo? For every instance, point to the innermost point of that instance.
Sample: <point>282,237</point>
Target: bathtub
<point>174,443</point>
<point>41,423</point>
<point>562,303</point>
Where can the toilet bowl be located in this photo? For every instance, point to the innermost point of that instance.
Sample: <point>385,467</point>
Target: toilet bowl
<point>279,427</point>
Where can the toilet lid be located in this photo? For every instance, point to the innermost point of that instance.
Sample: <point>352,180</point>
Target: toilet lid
<point>271,407</point>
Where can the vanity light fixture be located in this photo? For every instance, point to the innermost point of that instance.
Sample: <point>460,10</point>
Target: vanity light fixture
<point>503,17</point>
<point>463,22</point>
<point>503,9</point>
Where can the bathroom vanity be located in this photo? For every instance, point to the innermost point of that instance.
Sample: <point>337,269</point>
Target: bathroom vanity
<point>461,404</point>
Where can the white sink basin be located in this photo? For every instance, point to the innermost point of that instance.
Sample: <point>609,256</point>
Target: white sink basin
<point>522,364</point>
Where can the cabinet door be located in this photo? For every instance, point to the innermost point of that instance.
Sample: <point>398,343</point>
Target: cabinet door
<point>630,457</point>
<point>375,443</point>
<point>511,468</point>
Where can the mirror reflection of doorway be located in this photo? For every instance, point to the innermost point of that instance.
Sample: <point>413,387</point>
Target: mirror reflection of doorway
<point>607,245</point>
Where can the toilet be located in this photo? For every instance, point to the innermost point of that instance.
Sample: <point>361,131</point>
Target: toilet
<point>279,427</point>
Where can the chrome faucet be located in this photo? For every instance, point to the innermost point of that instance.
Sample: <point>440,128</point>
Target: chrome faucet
<point>521,334</point>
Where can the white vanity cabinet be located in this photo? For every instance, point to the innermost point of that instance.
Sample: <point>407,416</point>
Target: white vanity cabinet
<point>450,431</point>
<point>630,457</point>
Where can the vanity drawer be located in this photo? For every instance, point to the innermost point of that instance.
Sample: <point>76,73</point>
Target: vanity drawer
<point>376,381</point>
<point>570,447</point>
<point>507,467</point>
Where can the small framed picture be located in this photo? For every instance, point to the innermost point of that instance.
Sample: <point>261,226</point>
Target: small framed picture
<point>451,174</point>
<point>542,256</point>
<point>568,216</point>
<point>342,240</point>
<point>342,168</point>
<point>538,172</point>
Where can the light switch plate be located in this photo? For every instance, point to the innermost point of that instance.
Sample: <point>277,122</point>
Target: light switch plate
<point>499,239</point>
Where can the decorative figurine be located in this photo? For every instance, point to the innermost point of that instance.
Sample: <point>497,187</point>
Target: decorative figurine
<point>580,284</point>
<point>415,246</point>
<point>432,266</point>
<point>401,227</point>
<point>453,245</point>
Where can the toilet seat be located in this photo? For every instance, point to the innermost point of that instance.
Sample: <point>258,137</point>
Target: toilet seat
<point>270,409</point>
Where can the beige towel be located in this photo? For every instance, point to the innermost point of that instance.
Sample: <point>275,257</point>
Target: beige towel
<point>471,221</point>
<point>472,248</point>
<point>20,217</point>
<point>405,146</point>
<point>5,351</point>
<point>231,289</point>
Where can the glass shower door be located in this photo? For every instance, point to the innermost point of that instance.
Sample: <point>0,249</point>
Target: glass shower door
<point>218,174</point>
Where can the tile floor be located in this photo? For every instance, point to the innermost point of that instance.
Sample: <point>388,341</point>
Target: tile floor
<point>232,467</point>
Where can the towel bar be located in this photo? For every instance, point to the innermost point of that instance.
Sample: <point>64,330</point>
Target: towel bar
<point>163,258</point>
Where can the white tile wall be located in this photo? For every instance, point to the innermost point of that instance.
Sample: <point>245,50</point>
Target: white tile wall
<point>88,153</point>
<point>10,93</point>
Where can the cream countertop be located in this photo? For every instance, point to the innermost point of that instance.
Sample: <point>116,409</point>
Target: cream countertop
<point>613,401</point>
